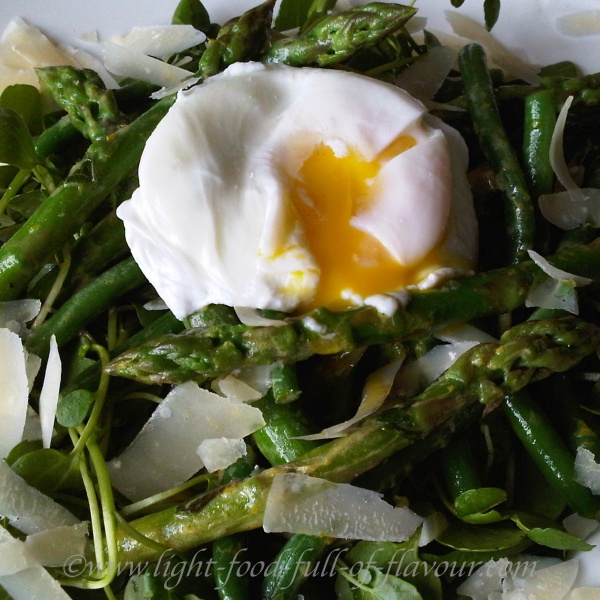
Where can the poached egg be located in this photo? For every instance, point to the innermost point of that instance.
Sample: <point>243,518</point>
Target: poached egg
<point>287,188</point>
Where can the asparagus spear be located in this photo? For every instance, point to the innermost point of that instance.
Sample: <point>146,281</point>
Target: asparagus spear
<point>337,37</point>
<point>240,39</point>
<point>202,353</point>
<point>482,376</point>
<point>92,108</point>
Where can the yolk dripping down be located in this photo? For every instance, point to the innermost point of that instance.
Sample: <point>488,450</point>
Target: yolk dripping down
<point>329,192</point>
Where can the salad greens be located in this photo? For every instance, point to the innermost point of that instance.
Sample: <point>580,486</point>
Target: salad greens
<point>486,450</point>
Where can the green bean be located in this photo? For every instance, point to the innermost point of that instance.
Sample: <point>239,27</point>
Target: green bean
<point>568,412</point>
<point>230,585</point>
<point>459,467</point>
<point>99,295</point>
<point>496,146</point>
<point>277,440</point>
<point>55,137</point>
<point>91,254</point>
<point>533,428</point>
<point>284,383</point>
<point>540,118</point>
<point>292,564</point>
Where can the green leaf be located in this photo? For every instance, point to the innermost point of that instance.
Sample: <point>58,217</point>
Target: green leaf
<point>547,533</point>
<point>491,10</point>
<point>27,102</point>
<point>27,203</point>
<point>49,470</point>
<point>457,3</point>
<point>400,560</point>
<point>478,501</point>
<point>16,144</point>
<point>73,408</point>
<point>564,68</point>
<point>462,536</point>
<point>192,12</point>
<point>372,584</point>
<point>147,587</point>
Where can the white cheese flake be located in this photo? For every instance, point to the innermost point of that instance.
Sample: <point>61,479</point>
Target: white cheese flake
<point>50,392</point>
<point>587,470</point>
<point>160,41</point>
<point>301,504</point>
<point>164,453</point>
<point>219,453</point>
<point>14,391</point>
<point>27,508</point>
<point>376,389</point>
<point>125,62</point>
<point>54,547</point>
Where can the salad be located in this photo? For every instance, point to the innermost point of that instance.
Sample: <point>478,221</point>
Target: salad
<point>301,305</point>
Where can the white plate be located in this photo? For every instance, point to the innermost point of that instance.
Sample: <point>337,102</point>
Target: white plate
<point>529,27</point>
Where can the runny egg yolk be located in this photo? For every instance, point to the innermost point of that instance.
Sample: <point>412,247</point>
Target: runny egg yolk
<point>329,191</point>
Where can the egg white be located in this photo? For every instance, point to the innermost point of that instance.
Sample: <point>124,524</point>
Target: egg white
<point>212,220</point>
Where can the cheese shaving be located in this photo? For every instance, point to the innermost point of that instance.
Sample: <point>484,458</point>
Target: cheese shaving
<point>309,505</point>
<point>50,392</point>
<point>587,470</point>
<point>14,391</point>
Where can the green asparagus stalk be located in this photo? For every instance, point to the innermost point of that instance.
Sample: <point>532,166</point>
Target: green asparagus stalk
<point>106,163</point>
<point>202,353</point>
<point>338,36</point>
<point>239,40</point>
<point>92,108</point>
<point>482,376</point>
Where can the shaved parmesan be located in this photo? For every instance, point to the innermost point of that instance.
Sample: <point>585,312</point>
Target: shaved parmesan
<point>236,389</point>
<point>587,470</point>
<point>556,292</point>
<point>162,40</point>
<point>580,526</point>
<point>28,509</point>
<point>504,58</point>
<point>25,47</point>
<point>164,454</point>
<point>301,504</point>
<point>580,24</point>
<point>54,547</point>
<point>556,273</point>
<point>14,391</point>
<point>453,334</point>
<point>584,594</point>
<point>14,557</point>
<point>557,156</point>
<point>425,76</point>
<point>588,575</point>
<point>28,579</point>
<point>427,368</point>
<point>33,364</point>
<point>528,577</point>
<point>249,317</point>
<point>219,453</point>
<point>49,393</point>
<point>15,313</point>
<point>126,62</point>
<point>575,206</point>
<point>376,389</point>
